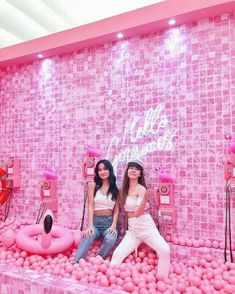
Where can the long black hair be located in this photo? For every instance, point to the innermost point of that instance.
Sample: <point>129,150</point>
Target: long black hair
<point>113,189</point>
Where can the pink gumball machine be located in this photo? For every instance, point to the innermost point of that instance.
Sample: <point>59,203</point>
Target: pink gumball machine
<point>164,200</point>
<point>48,193</point>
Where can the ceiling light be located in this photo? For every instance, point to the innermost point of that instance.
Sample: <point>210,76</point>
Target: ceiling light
<point>172,22</point>
<point>120,35</point>
<point>40,56</point>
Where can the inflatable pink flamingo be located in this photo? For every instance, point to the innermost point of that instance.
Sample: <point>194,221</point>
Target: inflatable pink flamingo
<point>46,239</point>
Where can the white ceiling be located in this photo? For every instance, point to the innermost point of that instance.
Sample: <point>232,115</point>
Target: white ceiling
<point>23,20</point>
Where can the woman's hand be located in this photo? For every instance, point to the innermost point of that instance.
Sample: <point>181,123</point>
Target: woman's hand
<point>112,230</point>
<point>137,213</point>
<point>89,231</point>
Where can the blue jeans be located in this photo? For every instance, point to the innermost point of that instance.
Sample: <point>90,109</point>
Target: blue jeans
<point>101,225</point>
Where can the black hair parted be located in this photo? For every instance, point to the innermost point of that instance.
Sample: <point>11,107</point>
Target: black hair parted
<point>113,189</point>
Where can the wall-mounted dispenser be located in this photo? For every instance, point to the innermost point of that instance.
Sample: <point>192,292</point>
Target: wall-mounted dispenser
<point>48,193</point>
<point>164,199</point>
<point>13,171</point>
<point>89,163</point>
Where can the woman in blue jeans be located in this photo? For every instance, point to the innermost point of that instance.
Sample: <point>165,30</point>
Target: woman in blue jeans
<point>103,211</point>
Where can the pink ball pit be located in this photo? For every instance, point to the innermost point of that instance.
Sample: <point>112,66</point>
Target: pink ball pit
<point>137,275</point>
<point>29,239</point>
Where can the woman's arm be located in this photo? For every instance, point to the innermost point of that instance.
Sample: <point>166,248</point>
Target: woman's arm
<point>142,194</point>
<point>90,196</point>
<point>112,229</point>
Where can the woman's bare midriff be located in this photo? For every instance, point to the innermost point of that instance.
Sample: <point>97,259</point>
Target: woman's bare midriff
<point>132,213</point>
<point>103,212</point>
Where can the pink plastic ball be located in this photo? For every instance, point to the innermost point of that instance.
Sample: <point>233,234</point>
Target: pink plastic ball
<point>159,277</point>
<point>218,284</point>
<point>150,278</point>
<point>215,244</point>
<point>208,258</point>
<point>168,238</point>
<point>104,282</point>
<point>208,243</point>
<point>161,286</point>
<point>180,287</point>
<point>119,282</point>
<point>8,238</point>
<point>142,285</point>
<point>69,268</point>
<point>23,254</point>
<point>189,243</point>
<point>229,289</point>
<point>201,242</point>
<point>214,264</point>
<point>196,243</point>
<point>196,282</point>
<point>91,279</point>
<point>80,274</point>
<point>123,275</point>
<point>231,280</point>
<point>182,241</point>
<point>19,262</point>
<point>175,240</point>
<point>113,279</point>
<point>141,254</point>
<point>145,269</point>
<point>221,245</point>
<point>129,287</point>
<point>103,268</point>
<point>178,270</point>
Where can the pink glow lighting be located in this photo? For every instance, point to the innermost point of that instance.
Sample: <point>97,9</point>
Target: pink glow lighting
<point>40,56</point>
<point>172,22</point>
<point>120,35</point>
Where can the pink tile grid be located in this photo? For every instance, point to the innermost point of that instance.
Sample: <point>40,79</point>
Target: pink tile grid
<point>170,96</point>
<point>16,280</point>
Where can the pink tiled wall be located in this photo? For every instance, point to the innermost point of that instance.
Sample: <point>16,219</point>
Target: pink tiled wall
<point>51,109</point>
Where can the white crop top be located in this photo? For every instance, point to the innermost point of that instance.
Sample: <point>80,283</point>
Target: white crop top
<point>103,201</point>
<point>132,202</point>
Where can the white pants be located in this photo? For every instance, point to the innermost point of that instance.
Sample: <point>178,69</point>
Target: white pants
<point>143,230</point>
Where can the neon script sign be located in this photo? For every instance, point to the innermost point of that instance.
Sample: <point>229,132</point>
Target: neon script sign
<point>152,126</point>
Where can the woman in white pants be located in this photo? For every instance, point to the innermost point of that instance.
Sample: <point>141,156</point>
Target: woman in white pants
<point>141,227</point>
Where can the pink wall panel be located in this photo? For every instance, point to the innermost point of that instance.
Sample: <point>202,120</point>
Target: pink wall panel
<point>51,108</point>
